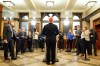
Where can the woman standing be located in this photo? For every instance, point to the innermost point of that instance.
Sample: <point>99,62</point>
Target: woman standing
<point>29,41</point>
<point>61,41</point>
<point>70,40</point>
<point>85,36</point>
<point>35,38</point>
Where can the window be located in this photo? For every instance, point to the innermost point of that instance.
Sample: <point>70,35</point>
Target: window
<point>75,18</point>
<point>46,18</point>
<point>25,17</point>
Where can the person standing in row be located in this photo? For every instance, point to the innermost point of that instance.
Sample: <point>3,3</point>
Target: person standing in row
<point>22,40</point>
<point>35,39</point>
<point>41,41</point>
<point>29,41</point>
<point>93,40</point>
<point>69,36</point>
<point>86,33</point>
<point>61,40</point>
<point>18,42</point>
<point>50,31</point>
<point>8,35</point>
<point>78,40</point>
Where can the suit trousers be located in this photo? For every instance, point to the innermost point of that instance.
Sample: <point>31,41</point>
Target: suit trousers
<point>78,45</point>
<point>17,46</point>
<point>9,46</point>
<point>22,45</point>
<point>93,42</point>
<point>51,48</point>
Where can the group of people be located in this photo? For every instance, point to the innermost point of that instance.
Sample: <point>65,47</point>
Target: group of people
<point>20,40</point>
<point>84,38</point>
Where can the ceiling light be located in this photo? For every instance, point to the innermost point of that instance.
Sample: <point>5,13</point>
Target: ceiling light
<point>9,3</point>
<point>66,17</point>
<point>91,3</point>
<point>33,22</point>
<point>34,17</point>
<point>66,22</point>
<point>50,3</point>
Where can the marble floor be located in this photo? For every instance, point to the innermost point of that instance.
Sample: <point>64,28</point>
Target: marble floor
<point>36,59</point>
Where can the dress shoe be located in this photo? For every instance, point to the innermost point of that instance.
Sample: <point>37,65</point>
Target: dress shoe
<point>95,54</point>
<point>7,59</point>
<point>77,54</point>
<point>13,58</point>
<point>82,55</point>
<point>68,51</point>
<point>53,62</point>
<point>48,63</point>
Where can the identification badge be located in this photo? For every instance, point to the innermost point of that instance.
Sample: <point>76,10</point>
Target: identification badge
<point>91,35</point>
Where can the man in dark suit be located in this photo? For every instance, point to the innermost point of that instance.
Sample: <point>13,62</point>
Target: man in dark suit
<point>18,46</point>
<point>78,40</point>
<point>22,39</point>
<point>8,35</point>
<point>50,30</point>
<point>93,40</point>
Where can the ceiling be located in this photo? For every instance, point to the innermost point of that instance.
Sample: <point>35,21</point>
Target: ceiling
<point>38,6</point>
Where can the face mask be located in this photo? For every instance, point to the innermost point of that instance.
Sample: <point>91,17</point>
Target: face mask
<point>78,28</point>
<point>70,31</point>
<point>91,29</point>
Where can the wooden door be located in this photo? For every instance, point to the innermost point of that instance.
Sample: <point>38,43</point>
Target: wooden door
<point>97,28</point>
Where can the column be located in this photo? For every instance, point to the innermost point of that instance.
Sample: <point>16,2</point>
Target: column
<point>0,18</point>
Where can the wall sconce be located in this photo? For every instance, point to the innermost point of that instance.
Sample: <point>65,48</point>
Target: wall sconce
<point>91,3</point>
<point>9,3</point>
<point>50,3</point>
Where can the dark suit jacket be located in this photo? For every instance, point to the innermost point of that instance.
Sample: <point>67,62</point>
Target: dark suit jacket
<point>50,30</point>
<point>7,33</point>
<point>95,35</point>
<point>23,34</point>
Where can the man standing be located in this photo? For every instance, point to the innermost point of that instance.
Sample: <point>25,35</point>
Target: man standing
<point>22,36</point>
<point>93,40</point>
<point>8,35</point>
<point>50,30</point>
<point>78,39</point>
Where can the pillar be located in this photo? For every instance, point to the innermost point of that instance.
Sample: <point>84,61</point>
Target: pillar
<point>0,18</point>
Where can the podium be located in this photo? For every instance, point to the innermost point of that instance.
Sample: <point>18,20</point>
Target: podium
<point>56,59</point>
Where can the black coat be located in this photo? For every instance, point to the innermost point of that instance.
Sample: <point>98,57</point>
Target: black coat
<point>7,32</point>
<point>50,31</point>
